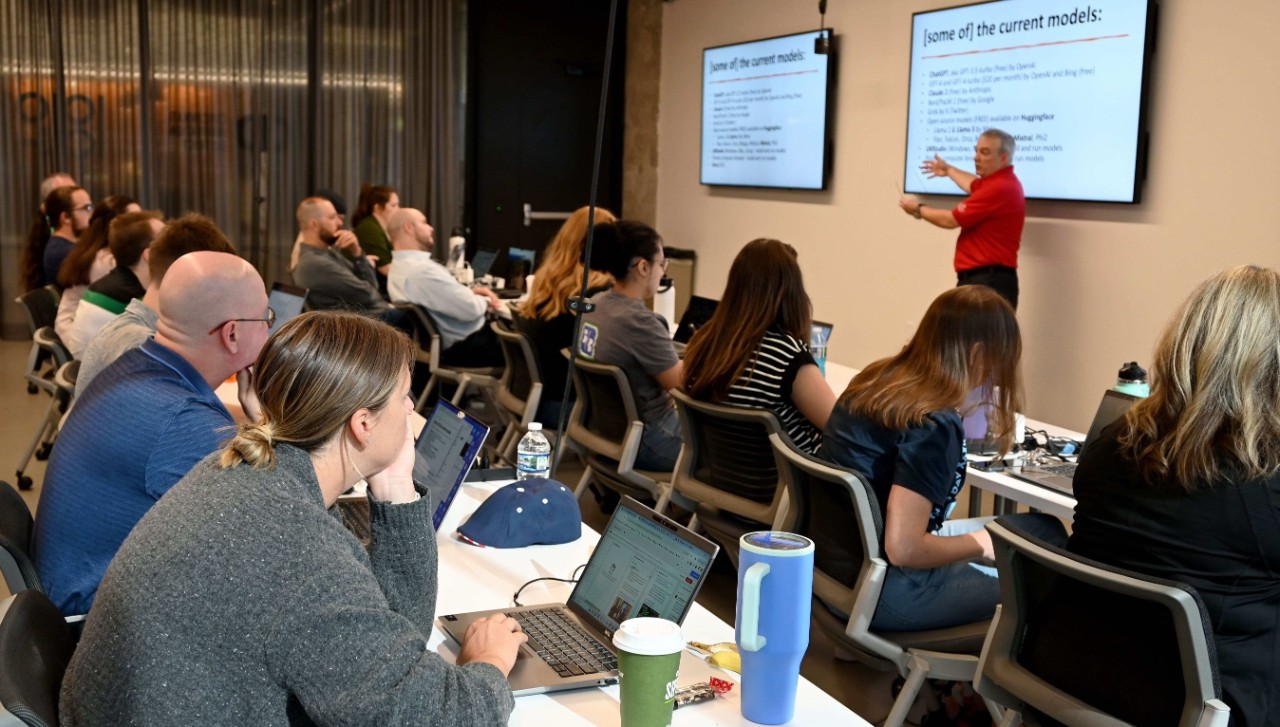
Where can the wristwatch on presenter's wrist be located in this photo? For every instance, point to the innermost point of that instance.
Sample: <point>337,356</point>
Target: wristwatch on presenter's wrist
<point>919,211</point>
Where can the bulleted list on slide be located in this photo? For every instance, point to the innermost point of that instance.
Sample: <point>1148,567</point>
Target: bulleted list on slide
<point>1064,79</point>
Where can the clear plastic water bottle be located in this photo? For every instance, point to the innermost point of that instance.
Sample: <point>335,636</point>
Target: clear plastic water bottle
<point>818,348</point>
<point>533,454</point>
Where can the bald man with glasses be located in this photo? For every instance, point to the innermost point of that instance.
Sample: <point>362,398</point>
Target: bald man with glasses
<point>147,420</point>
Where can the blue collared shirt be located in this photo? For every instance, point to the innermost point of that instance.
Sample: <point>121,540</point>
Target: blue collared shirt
<point>135,431</point>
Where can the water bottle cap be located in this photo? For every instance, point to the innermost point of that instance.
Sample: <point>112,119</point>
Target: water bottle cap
<point>773,542</point>
<point>535,426</point>
<point>1131,371</point>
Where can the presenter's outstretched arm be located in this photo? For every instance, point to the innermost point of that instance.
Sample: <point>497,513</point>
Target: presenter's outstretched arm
<point>938,167</point>
<point>933,215</point>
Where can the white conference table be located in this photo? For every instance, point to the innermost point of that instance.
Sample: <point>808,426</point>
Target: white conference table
<point>474,579</point>
<point>1026,493</point>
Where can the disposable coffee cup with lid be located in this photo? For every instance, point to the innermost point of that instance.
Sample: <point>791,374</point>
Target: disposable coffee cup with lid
<point>648,664</point>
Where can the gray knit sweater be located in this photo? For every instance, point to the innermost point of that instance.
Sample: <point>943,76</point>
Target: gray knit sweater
<point>239,600</point>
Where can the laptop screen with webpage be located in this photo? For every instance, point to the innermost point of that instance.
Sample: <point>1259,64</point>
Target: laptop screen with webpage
<point>640,568</point>
<point>446,449</point>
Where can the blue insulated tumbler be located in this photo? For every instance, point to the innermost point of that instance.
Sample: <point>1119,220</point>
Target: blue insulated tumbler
<point>775,588</point>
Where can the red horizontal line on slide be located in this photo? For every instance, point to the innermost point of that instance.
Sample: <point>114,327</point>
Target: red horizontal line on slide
<point>1022,47</point>
<point>771,75</point>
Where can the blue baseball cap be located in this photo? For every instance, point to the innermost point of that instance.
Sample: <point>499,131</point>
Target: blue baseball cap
<point>536,511</point>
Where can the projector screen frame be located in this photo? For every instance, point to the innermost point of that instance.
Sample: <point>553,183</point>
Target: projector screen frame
<point>827,115</point>
<point>1142,137</point>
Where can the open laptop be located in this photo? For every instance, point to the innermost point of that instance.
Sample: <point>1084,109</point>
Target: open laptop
<point>1059,476</point>
<point>446,450</point>
<point>696,315</point>
<point>645,564</point>
<point>482,263</point>
<point>826,329</point>
<point>287,301</point>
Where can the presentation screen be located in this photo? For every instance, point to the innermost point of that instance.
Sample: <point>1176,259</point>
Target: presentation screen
<point>1066,79</point>
<point>764,113</point>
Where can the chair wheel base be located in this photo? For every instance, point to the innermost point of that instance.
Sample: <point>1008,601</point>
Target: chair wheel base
<point>31,388</point>
<point>42,453</point>
<point>24,482</point>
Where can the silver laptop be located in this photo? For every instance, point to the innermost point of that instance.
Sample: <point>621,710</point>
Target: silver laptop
<point>1059,476</point>
<point>645,564</point>
<point>287,301</point>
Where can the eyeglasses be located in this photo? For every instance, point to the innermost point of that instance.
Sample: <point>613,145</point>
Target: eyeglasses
<point>665,262</point>
<point>83,208</point>
<point>270,320</point>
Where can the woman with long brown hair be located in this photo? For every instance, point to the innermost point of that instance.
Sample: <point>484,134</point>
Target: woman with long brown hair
<point>545,316</point>
<point>754,351</point>
<point>88,261</point>
<point>898,423</point>
<point>1186,486</point>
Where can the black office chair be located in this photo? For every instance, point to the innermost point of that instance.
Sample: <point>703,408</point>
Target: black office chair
<point>1081,642</point>
<point>728,468</point>
<point>520,388</point>
<point>837,509</point>
<point>35,649</point>
<point>15,541</point>
<point>62,389</point>
<point>430,347</point>
<point>606,426</point>
<point>41,309</point>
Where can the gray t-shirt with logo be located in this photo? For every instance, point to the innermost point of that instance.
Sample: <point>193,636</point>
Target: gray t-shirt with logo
<point>621,331</point>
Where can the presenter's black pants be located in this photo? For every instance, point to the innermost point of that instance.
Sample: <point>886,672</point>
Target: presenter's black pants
<point>999,278</point>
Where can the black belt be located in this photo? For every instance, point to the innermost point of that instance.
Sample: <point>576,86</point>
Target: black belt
<point>985,270</point>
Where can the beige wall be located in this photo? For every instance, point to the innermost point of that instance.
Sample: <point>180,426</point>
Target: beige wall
<point>1098,281</point>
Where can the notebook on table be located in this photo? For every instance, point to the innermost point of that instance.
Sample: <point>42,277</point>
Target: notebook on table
<point>443,456</point>
<point>287,301</point>
<point>645,564</point>
<point>1059,476</point>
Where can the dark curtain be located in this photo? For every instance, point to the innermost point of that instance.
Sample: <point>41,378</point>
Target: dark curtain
<point>236,109</point>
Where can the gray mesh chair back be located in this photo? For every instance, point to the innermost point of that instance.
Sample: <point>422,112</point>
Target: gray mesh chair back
<point>1081,642</point>
<point>427,335</point>
<point>728,467</point>
<point>837,509</point>
<point>35,648</point>
<point>606,426</point>
<point>520,388</point>
<point>15,541</point>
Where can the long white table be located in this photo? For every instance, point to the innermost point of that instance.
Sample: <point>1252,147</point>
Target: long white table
<point>1035,496</point>
<point>474,578</point>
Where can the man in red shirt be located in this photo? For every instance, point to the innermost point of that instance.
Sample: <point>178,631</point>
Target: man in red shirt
<point>990,218</point>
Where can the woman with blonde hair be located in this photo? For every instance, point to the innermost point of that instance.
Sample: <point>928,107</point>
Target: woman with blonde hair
<point>243,585</point>
<point>1187,485</point>
<point>545,316</point>
<point>899,424</point>
<point>754,352</point>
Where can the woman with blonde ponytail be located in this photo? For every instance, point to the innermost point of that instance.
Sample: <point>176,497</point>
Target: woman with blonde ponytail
<point>243,582</point>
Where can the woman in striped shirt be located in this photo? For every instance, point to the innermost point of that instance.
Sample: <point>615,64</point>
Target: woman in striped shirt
<point>754,351</point>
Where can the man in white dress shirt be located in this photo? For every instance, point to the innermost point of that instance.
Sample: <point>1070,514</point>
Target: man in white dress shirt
<point>459,311</point>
